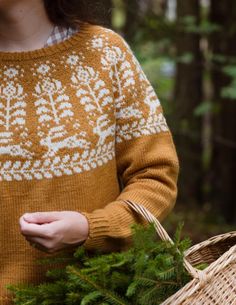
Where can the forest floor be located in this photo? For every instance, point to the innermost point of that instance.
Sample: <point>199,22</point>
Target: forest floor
<point>200,223</point>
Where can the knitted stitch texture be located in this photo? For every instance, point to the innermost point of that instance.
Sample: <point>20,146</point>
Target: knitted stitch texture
<point>77,120</point>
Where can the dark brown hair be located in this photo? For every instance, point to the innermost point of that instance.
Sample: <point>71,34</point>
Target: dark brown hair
<point>70,12</point>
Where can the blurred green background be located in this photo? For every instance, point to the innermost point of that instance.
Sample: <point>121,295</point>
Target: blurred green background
<point>188,50</point>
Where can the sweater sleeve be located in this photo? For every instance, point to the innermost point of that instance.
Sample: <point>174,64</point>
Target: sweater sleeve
<point>147,164</point>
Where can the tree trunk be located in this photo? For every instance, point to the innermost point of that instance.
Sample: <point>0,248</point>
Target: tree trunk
<point>188,95</point>
<point>132,9</point>
<point>223,43</point>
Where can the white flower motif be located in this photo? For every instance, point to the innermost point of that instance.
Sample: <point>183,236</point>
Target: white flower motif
<point>72,60</point>
<point>97,43</point>
<point>43,69</point>
<point>11,72</point>
<point>48,86</point>
<point>110,55</point>
<point>84,75</point>
<point>9,91</point>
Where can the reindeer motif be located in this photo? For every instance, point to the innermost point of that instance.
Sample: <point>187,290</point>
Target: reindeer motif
<point>103,130</point>
<point>15,150</point>
<point>128,112</point>
<point>69,142</point>
<point>151,100</point>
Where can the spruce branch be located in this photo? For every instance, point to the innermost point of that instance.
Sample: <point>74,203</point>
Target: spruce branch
<point>107,295</point>
<point>146,274</point>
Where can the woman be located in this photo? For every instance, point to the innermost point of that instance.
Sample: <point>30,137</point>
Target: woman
<point>77,115</point>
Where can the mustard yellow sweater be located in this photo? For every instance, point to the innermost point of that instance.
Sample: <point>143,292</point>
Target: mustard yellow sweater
<point>78,120</point>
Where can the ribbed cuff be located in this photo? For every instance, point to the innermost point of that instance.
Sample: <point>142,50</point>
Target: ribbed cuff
<point>99,228</point>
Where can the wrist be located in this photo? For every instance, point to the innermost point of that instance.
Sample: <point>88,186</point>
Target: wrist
<point>85,226</point>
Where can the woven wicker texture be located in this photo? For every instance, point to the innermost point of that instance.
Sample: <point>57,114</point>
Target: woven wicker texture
<point>216,284</point>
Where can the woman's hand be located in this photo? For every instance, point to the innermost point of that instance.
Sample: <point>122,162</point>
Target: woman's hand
<point>53,231</point>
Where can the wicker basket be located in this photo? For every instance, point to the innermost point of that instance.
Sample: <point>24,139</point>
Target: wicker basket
<point>216,284</point>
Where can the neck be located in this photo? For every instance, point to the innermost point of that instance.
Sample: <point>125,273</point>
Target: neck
<point>24,25</point>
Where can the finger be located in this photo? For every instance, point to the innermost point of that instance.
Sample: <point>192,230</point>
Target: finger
<point>42,217</point>
<point>31,229</point>
<point>41,244</point>
<point>36,240</point>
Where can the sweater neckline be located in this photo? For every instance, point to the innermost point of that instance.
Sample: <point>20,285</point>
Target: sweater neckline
<point>84,28</point>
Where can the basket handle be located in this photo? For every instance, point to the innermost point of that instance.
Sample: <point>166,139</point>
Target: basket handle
<point>160,231</point>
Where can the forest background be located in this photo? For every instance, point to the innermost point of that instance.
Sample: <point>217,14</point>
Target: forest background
<point>187,48</point>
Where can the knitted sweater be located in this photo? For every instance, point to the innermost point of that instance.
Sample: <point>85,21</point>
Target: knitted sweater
<point>78,120</point>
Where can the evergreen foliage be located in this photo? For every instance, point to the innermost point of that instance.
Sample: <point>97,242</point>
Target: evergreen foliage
<point>148,273</point>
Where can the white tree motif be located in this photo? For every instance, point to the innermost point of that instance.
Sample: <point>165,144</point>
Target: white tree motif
<point>12,114</point>
<point>115,60</point>
<point>111,58</point>
<point>53,110</point>
<point>91,90</point>
<point>50,108</point>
